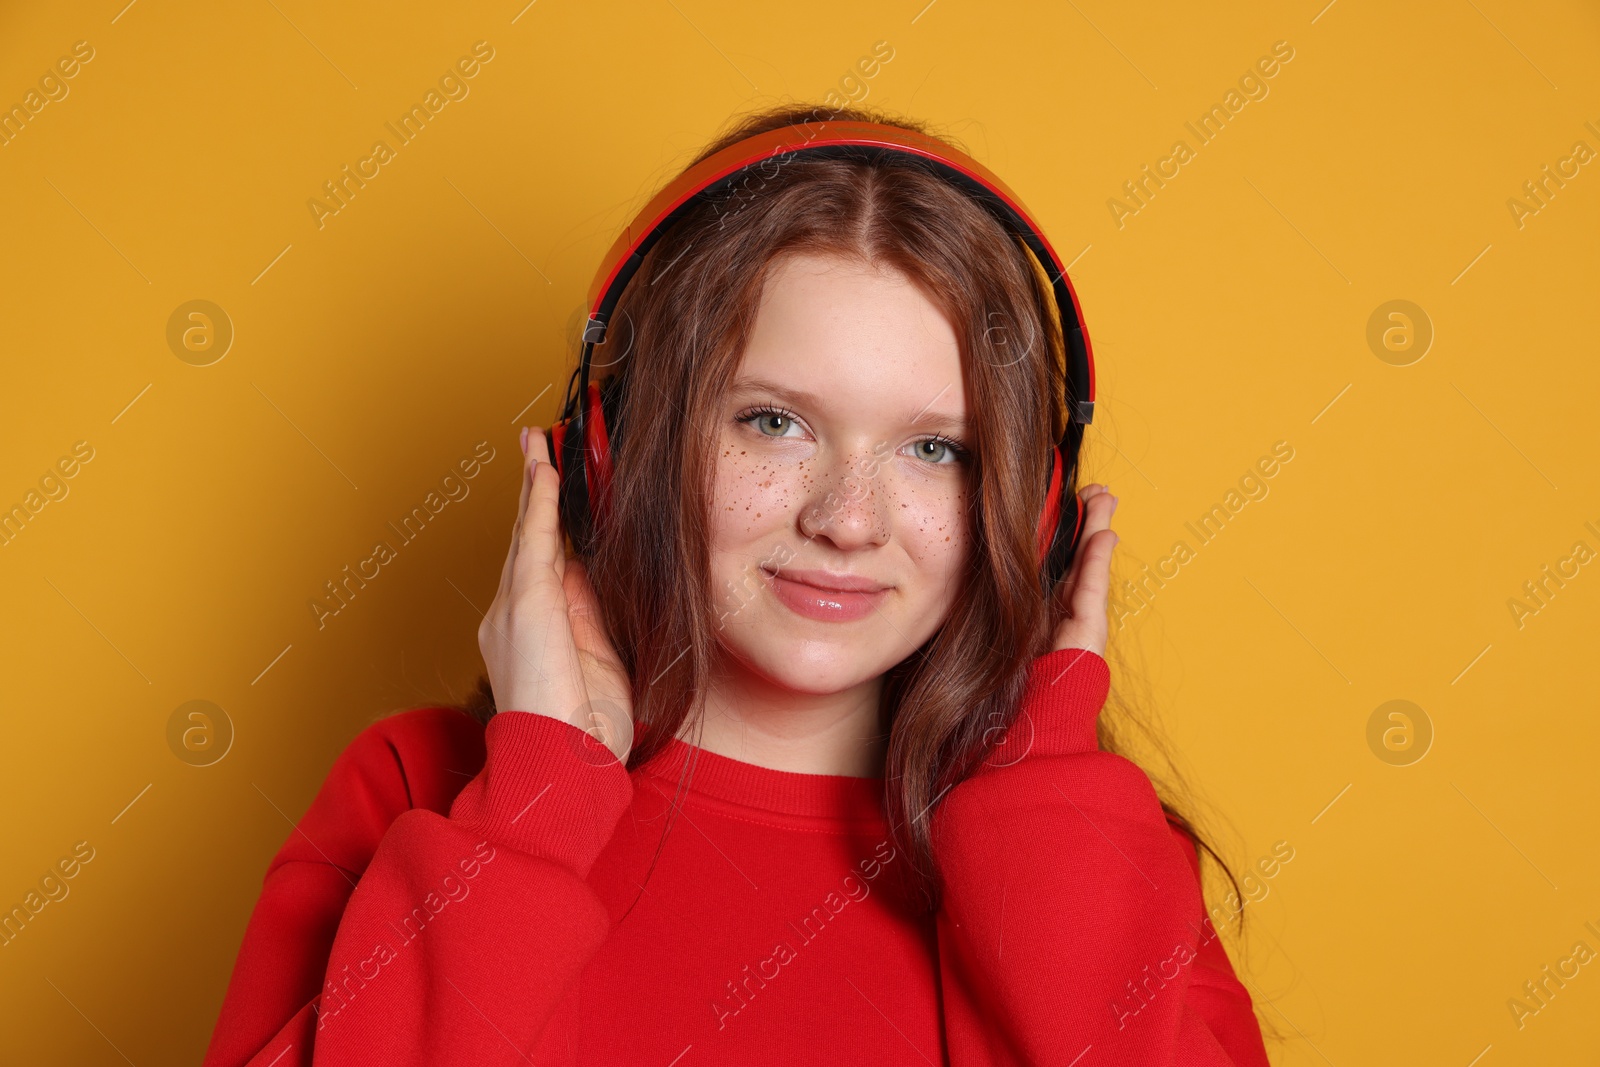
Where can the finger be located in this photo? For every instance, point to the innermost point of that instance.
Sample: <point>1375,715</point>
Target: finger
<point>540,552</point>
<point>1087,626</point>
<point>541,448</point>
<point>516,525</point>
<point>1098,506</point>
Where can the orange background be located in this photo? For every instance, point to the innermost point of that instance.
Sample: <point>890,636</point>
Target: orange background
<point>438,307</point>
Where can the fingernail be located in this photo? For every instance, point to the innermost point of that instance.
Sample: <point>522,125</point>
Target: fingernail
<point>1113,505</point>
<point>1115,540</point>
<point>524,440</point>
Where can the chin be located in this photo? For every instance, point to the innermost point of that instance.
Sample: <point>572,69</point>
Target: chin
<point>805,663</point>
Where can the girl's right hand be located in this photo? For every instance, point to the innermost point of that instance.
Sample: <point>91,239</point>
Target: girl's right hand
<point>543,639</point>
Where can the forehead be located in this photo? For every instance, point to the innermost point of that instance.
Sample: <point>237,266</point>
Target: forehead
<point>842,335</point>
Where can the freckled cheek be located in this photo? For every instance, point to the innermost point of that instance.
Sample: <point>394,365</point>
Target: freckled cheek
<point>754,495</point>
<point>933,523</point>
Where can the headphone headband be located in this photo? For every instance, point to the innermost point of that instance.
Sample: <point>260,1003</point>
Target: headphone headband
<point>848,140</point>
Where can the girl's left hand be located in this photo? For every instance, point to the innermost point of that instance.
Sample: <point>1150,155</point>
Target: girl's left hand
<point>1089,577</point>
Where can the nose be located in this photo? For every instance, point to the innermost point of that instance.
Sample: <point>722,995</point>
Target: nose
<point>849,504</point>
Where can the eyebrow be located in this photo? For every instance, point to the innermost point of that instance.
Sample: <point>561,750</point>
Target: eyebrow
<point>933,420</point>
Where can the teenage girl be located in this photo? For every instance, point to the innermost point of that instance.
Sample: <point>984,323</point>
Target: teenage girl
<point>797,762</point>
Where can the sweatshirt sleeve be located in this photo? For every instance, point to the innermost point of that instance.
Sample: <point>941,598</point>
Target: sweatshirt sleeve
<point>464,932</point>
<point>1072,921</point>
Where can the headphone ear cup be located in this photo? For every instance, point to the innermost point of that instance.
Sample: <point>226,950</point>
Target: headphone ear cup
<point>597,457</point>
<point>584,466</point>
<point>572,502</point>
<point>1061,524</point>
<point>1079,513</point>
<point>552,443</point>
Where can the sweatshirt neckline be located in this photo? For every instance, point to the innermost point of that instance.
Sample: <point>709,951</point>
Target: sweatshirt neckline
<point>835,797</point>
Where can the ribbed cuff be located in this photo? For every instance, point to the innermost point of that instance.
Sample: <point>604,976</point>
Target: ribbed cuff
<point>547,789</point>
<point>1060,703</point>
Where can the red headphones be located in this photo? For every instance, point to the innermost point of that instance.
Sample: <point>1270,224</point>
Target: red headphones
<point>580,442</point>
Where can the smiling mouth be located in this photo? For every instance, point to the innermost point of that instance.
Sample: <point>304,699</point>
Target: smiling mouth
<point>826,604</point>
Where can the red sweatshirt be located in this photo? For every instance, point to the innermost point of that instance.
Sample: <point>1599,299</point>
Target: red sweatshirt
<point>460,895</point>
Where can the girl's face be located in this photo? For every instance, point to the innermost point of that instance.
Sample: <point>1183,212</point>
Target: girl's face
<point>840,462</point>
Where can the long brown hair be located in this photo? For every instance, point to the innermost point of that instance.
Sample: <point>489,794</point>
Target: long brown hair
<point>681,329</point>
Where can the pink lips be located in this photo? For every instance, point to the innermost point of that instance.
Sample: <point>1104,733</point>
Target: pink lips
<point>825,596</point>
